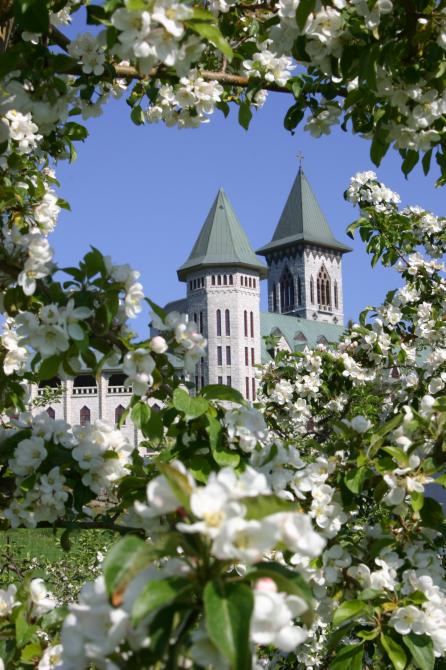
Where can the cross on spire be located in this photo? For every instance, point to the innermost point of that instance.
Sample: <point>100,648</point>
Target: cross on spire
<point>300,157</point>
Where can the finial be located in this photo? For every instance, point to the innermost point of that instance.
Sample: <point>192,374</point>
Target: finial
<point>300,156</point>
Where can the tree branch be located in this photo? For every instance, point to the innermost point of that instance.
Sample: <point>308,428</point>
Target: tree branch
<point>91,525</point>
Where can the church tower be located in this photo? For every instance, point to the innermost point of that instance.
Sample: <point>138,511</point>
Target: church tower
<point>305,260</point>
<point>223,277</point>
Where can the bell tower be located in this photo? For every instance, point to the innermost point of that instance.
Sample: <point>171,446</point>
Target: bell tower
<point>305,260</point>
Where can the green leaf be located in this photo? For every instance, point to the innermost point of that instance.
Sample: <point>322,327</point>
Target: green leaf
<point>417,500</point>
<point>24,631</point>
<point>350,609</point>
<point>244,114</point>
<point>286,580</point>
<point>123,562</point>
<point>156,594</point>
<point>140,414</point>
<point>191,407</point>
<point>378,150</point>
<point>293,117</point>
<point>75,131</point>
<point>137,115</point>
<point>303,11</point>
<point>228,609</point>
<point>348,658</point>
<point>394,651</point>
<point>178,482</point>
<point>354,479</point>
<point>421,648</point>
<point>200,467</point>
<point>32,15</point>
<point>49,367</point>
<point>432,514</point>
<point>257,507</point>
<point>211,32</point>
<point>96,15</point>
<point>218,392</point>
<point>409,162</point>
<point>426,162</point>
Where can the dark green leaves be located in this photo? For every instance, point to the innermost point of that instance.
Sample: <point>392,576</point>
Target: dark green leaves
<point>303,11</point>
<point>228,609</point>
<point>123,562</point>
<point>348,658</point>
<point>244,114</point>
<point>218,392</point>
<point>350,609</point>
<point>394,651</point>
<point>32,15</point>
<point>156,594</point>
<point>140,414</point>
<point>421,648</point>
<point>286,580</point>
<point>205,24</point>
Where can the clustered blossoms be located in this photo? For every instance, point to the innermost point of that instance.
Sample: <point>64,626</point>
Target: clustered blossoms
<point>188,343</point>
<point>186,105</point>
<point>97,454</point>
<point>87,49</point>
<point>268,66</point>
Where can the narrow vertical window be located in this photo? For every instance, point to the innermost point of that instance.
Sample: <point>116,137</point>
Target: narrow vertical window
<point>247,388</point>
<point>196,382</point>
<point>202,381</point>
<point>245,319</point>
<point>220,380</point>
<point>274,298</point>
<point>246,356</point>
<point>336,294</point>
<point>312,290</point>
<point>228,381</point>
<point>219,356</point>
<point>218,322</point>
<point>119,411</point>
<point>202,282</point>
<point>84,416</point>
<point>299,291</point>
<point>252,323</point>
<point>219,280</point>
<point>254,283</point>
<point>231,280</point>
<point>253,381</point>
<point>213,280</point>
<point>196,318</point>
<point>201,322</point>
<point>252,356</point>
<point>250,282</point>
<point>227,322</point>
<point>225,280</point>
<point>51,413</point>
<point>228,355</point>
<point>190,286</point>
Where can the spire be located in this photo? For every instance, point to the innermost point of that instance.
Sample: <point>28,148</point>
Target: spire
<point>222,241</point>
<point>302,220</point>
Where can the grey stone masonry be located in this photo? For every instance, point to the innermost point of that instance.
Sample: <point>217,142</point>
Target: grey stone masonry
<point>224,302</point>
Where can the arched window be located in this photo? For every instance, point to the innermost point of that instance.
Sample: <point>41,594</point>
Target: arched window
<point>274,298</point>
<point>250,282</point>
<point>51,413</point>
<point>253,283</point>
<point>225,280</point>
<point>245,319</point>
<point>299,291</point>
<point>336,294</point>
<point>231,280</point>
<point>312,290</point>
<point>219,280</point>
<point>213,280</point>
<point>218,322</point>
<point>119,411</point>
<point>242,280</point>
<point>252,323</point>
<point>286,291</point>
<point>227,322</point>
<point>84,416</point>
<point>323,289</point>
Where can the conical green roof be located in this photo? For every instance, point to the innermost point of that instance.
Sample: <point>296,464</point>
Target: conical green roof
<point>222,241</point>
<point>302,220</point>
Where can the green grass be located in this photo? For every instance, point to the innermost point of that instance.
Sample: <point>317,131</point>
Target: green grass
<point>32,543</point>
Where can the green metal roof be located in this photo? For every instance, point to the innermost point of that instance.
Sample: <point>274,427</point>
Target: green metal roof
<point>302,220</point>
<point>297,332</point>
<point>222,241</point>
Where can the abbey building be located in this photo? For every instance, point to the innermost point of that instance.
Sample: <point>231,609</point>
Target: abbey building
<point>302,265</point>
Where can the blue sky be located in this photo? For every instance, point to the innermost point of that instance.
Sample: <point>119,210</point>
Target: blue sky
<point>141,194</point>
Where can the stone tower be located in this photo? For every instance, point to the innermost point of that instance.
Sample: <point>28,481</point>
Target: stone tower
<point>304,260</point>
<point>223,277</point>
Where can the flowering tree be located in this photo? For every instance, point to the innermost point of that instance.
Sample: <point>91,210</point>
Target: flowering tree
<point>297,531</point>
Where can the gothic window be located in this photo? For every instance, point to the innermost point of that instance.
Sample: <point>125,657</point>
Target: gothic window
<point>247,387</point>
<point>228,355</point>
<point>252,323</point>
<point>219,280</point>
<point>225,280</point>
<point>84,416</point>
<point>219,356</point>
<point>201,322</point>
<point>51,413</point>
<point>228,381</point>
<point>299,291</point>
<point>250,282</point>
<point>252,356</point>
<point>312,290</point>
<point>213,280</point>
<point>227,322</point>
<point>119,411</point>
<point>195,318</point>
<point>253,381</point>
<point>287,291</point>
<point>323,289</point>
<point>336,294</point>
<point>231,280</point>
<point>245,319</point>
<point>202,381</point>
<point>274,298</point>
<point>190,286</point>
<point>196,382</point>
<point>242,280</point>
<point>218,322</point>
<point>253,283</point>
<point>246,356</point>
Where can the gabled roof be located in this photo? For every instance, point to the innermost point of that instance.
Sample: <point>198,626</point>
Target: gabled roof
<point>222,241</point>
<point>302,220</point>
<point>292,328</point>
